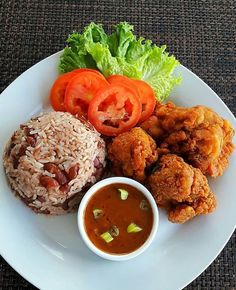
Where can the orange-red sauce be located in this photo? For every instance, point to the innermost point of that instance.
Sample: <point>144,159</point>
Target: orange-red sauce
<point>119,213</point>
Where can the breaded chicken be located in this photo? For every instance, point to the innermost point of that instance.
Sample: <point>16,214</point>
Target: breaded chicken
<point>131,152</point>
<point>198,134</point>
<point>181,189</point>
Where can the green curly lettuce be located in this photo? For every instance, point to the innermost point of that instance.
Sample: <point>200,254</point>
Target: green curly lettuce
<point>121,53</point>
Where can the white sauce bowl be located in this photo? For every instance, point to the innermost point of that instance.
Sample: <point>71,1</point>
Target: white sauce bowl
<point>83,205</point>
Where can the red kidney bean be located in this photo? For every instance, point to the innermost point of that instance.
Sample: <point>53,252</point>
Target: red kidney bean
<point>31,141</point>
<point>22,150</point>
<point>54,169</point>
<point>65,188</point>
<point>48,182</point>
<point>73,171</point>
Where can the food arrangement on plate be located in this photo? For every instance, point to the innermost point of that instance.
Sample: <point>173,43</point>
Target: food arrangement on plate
<point>110,119</point>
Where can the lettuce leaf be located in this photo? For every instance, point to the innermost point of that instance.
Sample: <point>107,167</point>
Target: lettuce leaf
<point>121,53</point>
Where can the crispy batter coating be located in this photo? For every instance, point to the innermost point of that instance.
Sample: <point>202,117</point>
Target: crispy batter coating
<point>131,152</point>
<point>198,134</point>
<point>181,189</point>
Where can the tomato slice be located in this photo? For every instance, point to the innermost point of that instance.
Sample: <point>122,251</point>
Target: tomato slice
<point>79,70</point>
<point>123,80</point>
<point>57,93</point>
<point>144,91</point>
<point>114,79</point>
<point>81,90</point>
<point>58,89</point>
<point>114,109</point>
<point>147,98</point>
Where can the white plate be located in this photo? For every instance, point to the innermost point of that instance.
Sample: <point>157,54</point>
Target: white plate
<point>49,252</point>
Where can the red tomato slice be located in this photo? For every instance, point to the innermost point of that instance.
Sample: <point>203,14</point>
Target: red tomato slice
<point>114,109</point>
<point>79,70</point>
<point>58,89</point>
<point>144,91</point>
<point>147,98</point>
<point>123,80</point>
<point>81,90</point>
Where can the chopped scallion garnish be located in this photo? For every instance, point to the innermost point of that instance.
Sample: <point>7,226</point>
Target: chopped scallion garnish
<point>97,213</point>
<point>144,205</point>
<point>107,237</point>
<point>114,231</point>
<point>133,228</point>
<point>123,193</point>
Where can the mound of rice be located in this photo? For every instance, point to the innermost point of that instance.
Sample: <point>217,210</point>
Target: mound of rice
<point>51,160</point>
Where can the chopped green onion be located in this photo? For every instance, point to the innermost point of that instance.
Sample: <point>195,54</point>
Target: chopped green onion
<point>107,237</point>
<point>123,193</point>
<point>133,228</point>
<point>97,213</point>
<point>114,231</point>
<point>144,205</point>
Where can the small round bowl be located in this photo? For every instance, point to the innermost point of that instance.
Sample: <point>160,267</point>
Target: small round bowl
<point>81,225</point>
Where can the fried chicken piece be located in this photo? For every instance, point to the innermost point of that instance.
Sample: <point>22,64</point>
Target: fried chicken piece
<point>131,152</point>
<point>181,189</point>
<point>198,134</point>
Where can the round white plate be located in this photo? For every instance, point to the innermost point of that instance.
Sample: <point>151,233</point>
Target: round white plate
<point>49,252</point>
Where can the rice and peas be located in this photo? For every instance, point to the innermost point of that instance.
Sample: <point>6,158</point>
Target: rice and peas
<point>51,160</point>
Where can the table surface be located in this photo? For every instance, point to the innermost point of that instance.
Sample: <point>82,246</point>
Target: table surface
<point>201,34</point>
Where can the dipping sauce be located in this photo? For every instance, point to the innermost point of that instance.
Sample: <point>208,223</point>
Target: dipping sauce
<point>118,218</point>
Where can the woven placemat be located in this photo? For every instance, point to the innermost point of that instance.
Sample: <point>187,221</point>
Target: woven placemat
<point>200,33</point>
